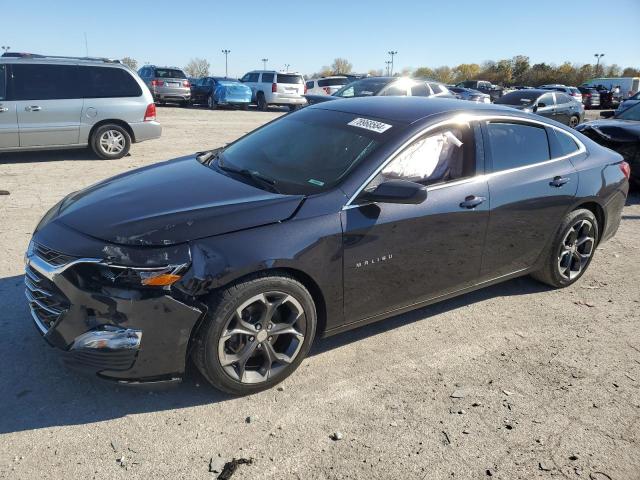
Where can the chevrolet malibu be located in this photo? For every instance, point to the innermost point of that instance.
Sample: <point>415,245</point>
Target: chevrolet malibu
<point>338,215</point>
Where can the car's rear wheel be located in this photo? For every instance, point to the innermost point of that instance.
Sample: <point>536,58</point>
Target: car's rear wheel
<point>574,121</point>
<point>244,106</point>
<point>571,251</point>
<point>255,334</point>
<point>211,103</point>
<point>262,102</point>
<point>293,108</point>
<point>110,142</point>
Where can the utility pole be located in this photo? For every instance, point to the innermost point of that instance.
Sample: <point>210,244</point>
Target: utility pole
<point>392,53</point>
<point>598,56</point>
<point>264,63</point>
<point>286,67</point>
<point>388,66</point>
<point>5,48</point>
<point>86,45</point>
<point>226,62</point>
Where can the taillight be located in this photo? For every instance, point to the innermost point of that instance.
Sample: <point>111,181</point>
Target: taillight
<point>326,90</point>
<point>150,113</point>
<point>186,83</point>
<point>156,83</point>
<point>274,87</point>
<point>626,169</point>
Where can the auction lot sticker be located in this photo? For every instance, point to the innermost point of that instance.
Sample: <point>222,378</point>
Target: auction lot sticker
<point>367,124</point>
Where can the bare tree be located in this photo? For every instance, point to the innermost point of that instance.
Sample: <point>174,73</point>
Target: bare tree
<point>132,63</point>
<point>340,66</point>
<point>197,68</point>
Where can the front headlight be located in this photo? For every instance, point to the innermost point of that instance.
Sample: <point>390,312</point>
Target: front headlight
<point>132,277</point>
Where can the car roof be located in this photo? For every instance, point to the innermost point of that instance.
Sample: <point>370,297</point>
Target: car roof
<point>405,109</point>
<point>42,60</point>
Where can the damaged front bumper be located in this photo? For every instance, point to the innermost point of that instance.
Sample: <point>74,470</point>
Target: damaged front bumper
<point>129,335</point>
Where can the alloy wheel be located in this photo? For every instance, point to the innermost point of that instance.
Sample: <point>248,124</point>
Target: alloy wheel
<point>262,337</point>
<point>112,142</point>
<point>573,122</point>
<point>576,249</point>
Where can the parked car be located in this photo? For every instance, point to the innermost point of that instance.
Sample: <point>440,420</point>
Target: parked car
<point>269,87</point>
<point>555,105</point>
<point>469,94</point>
<point>571,91</point>
<point>628,103</point>
<point>619,131</point>
<point>326,85</point>
<point>590,97</point>
<point>385,86</point>
<point>167,84</point>
<point>298,229</point>
<point>61,102</point>
<point>494,91</point>
<point>215,91</point>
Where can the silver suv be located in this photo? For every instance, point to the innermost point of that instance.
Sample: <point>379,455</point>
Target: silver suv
<point>167,84</point>
<point>269,87</point>
<point>59,103</point>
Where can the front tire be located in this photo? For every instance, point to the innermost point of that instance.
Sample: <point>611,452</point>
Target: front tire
<point>255,334</point>
<point>110,142</point>
<point>571,251</point>
<point>574,121</point>
<point>211,103</point>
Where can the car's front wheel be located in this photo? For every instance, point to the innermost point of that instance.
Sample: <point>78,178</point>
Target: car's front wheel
<point>572,249</point>
<point>211,103</point>
<point>574,121</point>
<point>255,333</point>
<point>110,142</point>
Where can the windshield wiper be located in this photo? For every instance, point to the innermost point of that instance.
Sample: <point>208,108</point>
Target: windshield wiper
<point>253,175</point>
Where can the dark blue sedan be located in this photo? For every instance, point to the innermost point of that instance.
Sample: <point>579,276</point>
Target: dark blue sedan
<point>215,91</point>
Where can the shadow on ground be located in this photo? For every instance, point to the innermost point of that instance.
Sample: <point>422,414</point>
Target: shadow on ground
<point>38,391</point>
<point>49,156</point>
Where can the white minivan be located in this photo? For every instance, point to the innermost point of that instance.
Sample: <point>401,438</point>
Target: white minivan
<point>269,87</point>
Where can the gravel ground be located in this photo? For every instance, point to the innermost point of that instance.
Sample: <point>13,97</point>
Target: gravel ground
<point>514,381</point>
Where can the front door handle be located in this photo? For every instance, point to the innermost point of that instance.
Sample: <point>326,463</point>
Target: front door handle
<point>558,181</point>
<point>3,109</point>
<point>472,201</point>
<point>32,108</point>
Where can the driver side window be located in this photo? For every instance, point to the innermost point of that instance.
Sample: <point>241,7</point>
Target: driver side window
<point>441,156</point>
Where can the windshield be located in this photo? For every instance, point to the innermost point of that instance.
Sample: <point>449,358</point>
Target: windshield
<point>362,88</point>
<point>631,113</point>
<point>307,152</point>
<point>520,97</point>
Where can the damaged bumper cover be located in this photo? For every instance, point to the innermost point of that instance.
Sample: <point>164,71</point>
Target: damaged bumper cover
<point>101,323</point>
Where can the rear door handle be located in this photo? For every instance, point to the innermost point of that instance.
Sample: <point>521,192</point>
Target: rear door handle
<point>558,181</point>
<point>472,201</point>
<point>32,108</point>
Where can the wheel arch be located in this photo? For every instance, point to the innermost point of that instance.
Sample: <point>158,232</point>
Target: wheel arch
<point>120,123</point>
<point>598,211</point>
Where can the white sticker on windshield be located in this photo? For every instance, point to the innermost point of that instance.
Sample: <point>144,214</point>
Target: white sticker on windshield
<point>367,124</point>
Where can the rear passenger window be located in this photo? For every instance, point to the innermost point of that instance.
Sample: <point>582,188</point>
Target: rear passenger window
<point>562,144</point>
<point>420,90</point>
<point>309,84</point>
<point>3,82</point>
<point>562,98</point>
<point>108,82</point>
<point>267,78</point>
<point>395,91</point>
<point>516,145</point>
<point>44,82</point>
<point>546,100</point>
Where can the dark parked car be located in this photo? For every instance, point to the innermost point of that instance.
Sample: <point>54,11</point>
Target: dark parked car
<point>469,94</point>
<point>609,98</point>
<point>494,91</point>
<point>590,97</point>
<point>632,100</point>
<point>323,220</point>
<point>385,86</point>
<point>619,131</point>
<point>557,106</point>
<point>215,91</point>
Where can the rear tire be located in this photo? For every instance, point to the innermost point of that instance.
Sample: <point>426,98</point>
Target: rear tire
<point>211,103</point>
<point>255,333</point>
<point>262,102</point>
<point>293,108</point>
<point>571,251</point>
<point>244,107</point>
<point>110,142</point>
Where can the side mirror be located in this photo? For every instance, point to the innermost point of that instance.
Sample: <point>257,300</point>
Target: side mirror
<point>607,114</point>
<point>397,191</point>
<point>534,109</point>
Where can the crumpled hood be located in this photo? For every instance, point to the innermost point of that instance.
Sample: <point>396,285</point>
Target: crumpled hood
<point>613,129</point>
<point>170,203</point>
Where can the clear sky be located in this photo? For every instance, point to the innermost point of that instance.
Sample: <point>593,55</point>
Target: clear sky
<point>310,34</point>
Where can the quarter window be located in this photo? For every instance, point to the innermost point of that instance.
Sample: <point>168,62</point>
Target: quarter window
<point>445,155</point>
<point>516,145</point>
<point>3,82</point>
<point>45,82</point>
<point>564,144</point>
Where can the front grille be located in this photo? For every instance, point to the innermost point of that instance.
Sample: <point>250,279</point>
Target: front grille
<point>47,303</point>
<point>52,257</point>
